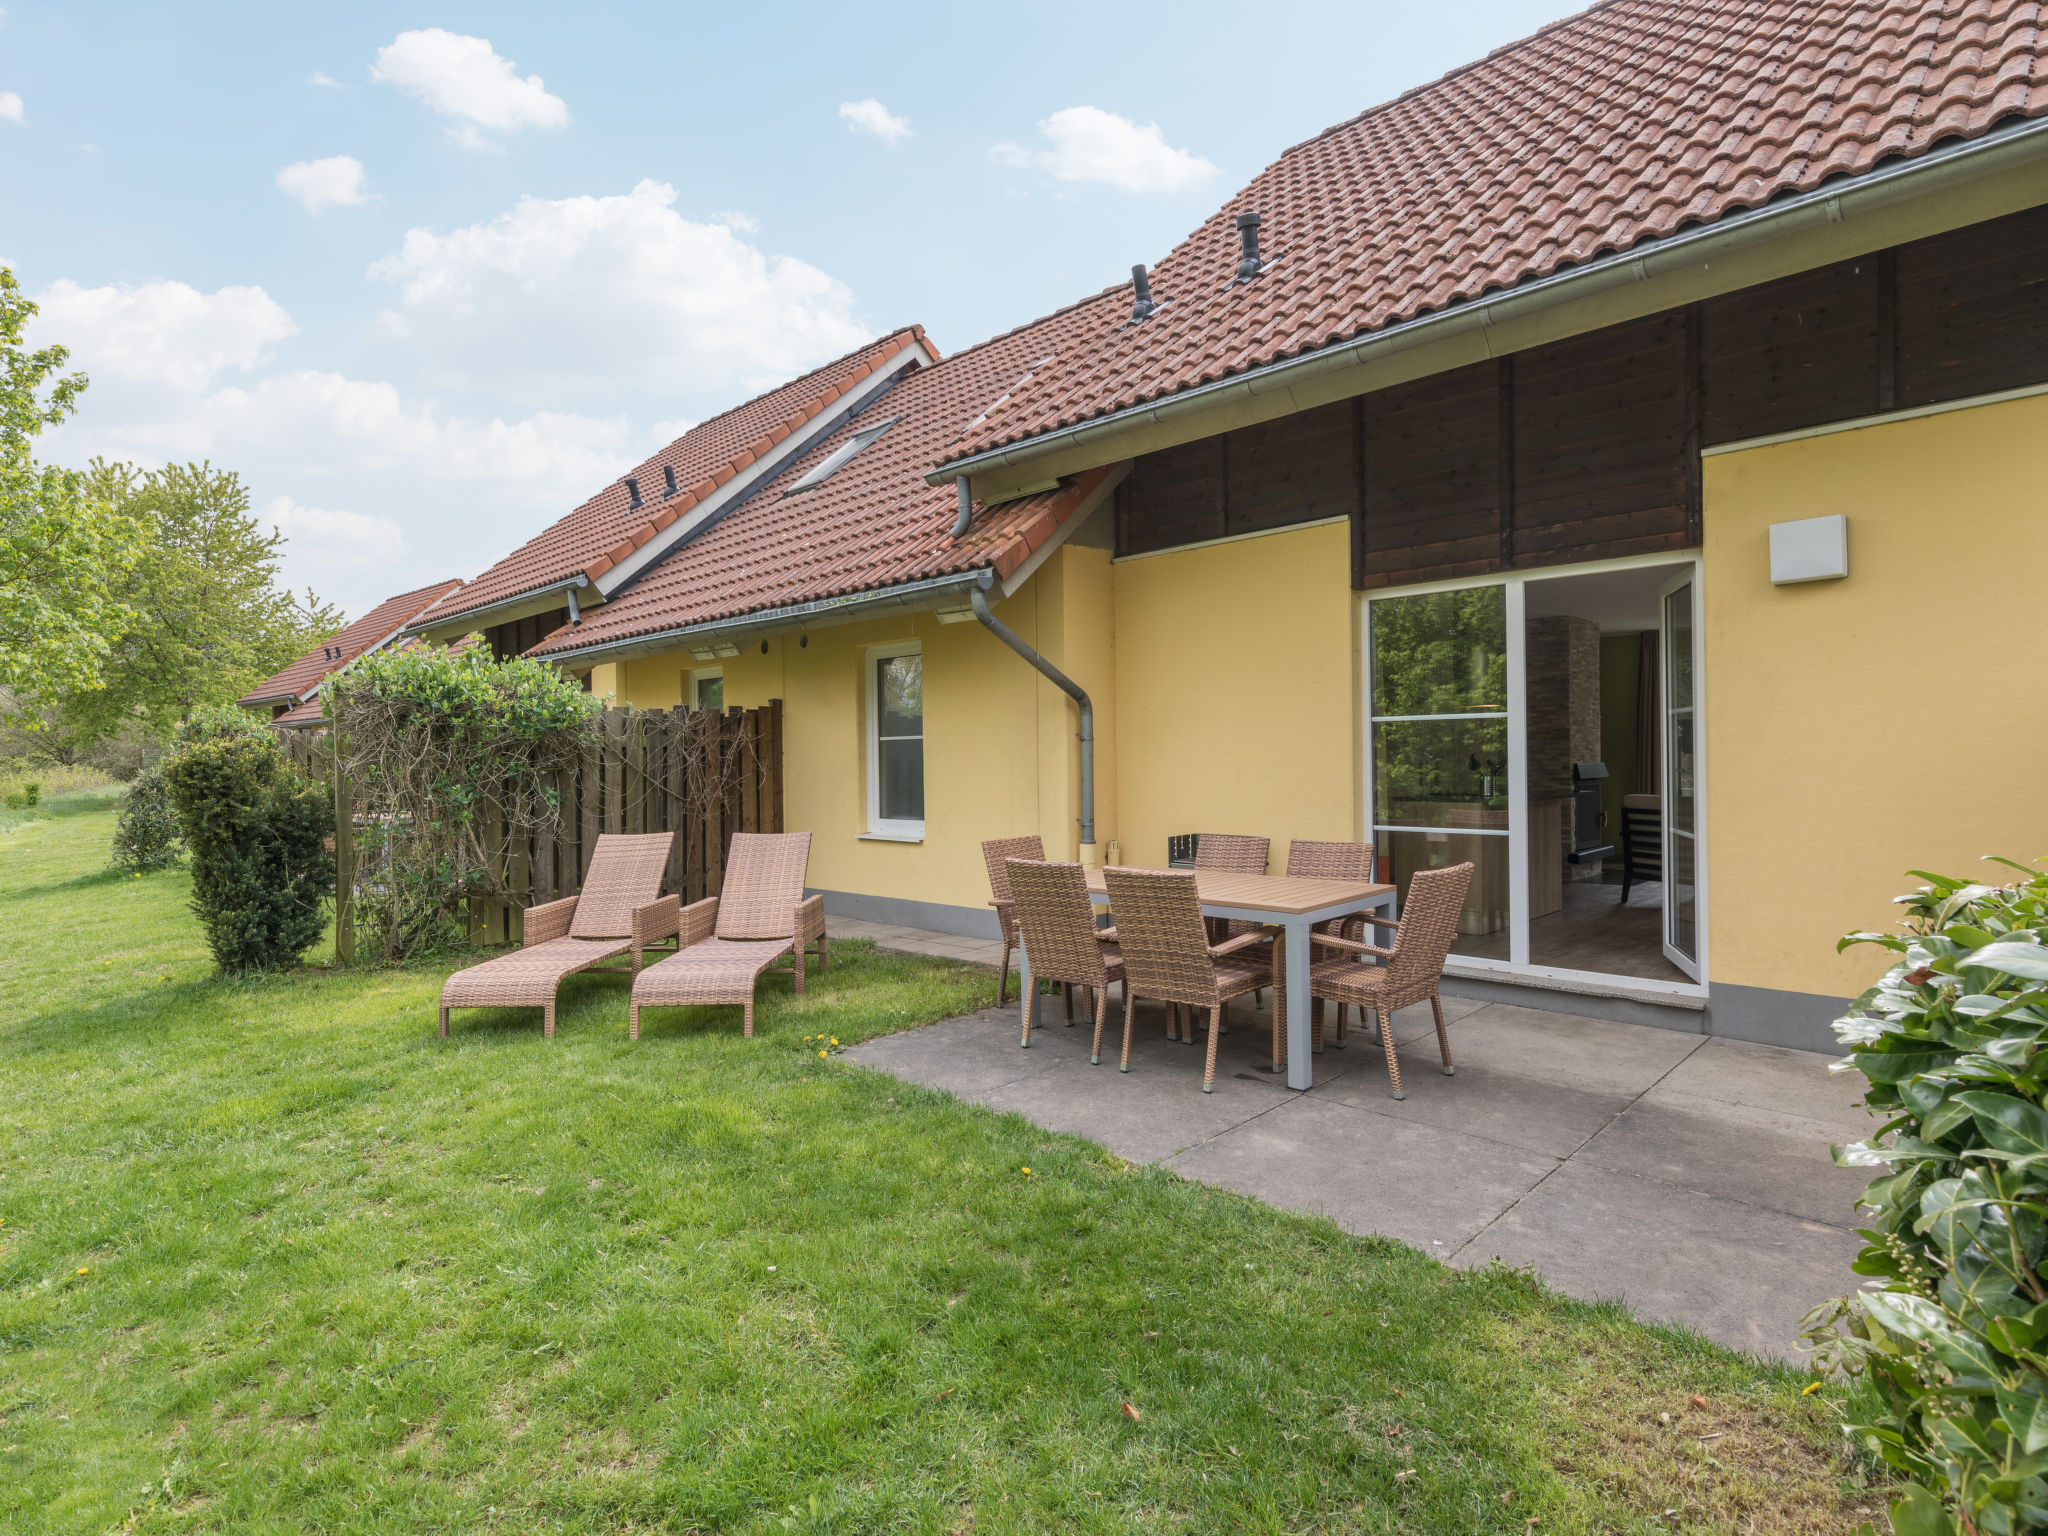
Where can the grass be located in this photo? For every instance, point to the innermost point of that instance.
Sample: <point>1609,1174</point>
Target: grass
<point>276,1258</point>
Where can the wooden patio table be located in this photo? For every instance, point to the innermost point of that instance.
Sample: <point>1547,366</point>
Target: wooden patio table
<point>1293,903</point>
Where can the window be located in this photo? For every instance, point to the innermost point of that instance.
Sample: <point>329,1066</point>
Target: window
<point>896,741</point>
<point>828,466</point>
<point>706,688</point>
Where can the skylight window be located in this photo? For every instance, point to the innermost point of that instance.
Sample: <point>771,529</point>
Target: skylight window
<point>828,466</point>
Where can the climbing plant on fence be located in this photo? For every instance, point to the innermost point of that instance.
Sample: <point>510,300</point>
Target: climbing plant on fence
<point>455,760</point>
<point>1955,1336</point>
<point>473,788</point>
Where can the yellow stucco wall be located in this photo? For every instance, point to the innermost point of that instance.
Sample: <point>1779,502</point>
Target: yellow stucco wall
<point>1895,719</point>
<point>1237,692</point>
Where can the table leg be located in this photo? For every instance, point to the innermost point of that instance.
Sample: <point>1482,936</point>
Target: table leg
<point>1301,1072</point>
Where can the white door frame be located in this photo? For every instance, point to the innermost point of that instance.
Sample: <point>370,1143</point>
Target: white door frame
<point>1693,965</point>
<point>1518,964</point>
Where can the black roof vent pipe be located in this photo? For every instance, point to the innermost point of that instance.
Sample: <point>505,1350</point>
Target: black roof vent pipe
<point>633,489</point>
<point>668,476</point>
<point>1249,265</point>
<point>1141,294</point>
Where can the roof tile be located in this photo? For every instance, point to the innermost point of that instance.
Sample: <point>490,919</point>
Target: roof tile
<point>382,621</point>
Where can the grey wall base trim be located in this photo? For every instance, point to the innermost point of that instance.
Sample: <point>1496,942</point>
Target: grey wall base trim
<point>1762,1015</point>
<point>1618,1010</point>
<point>1799,1020</point>
<point>937,917</point>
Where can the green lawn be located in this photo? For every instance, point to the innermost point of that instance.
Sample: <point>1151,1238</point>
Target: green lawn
<point>276,1258</point>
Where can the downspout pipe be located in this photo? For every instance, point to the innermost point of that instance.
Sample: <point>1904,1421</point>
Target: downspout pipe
<point>1072,690</point>
<point>966,508</point>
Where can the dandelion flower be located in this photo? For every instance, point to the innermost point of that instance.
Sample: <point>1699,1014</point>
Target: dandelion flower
<point>1811,1387</point>
<point>83,1270</point>
<point>821,1053</point>
<point>1027,1170</point>
<point>835,1039</point>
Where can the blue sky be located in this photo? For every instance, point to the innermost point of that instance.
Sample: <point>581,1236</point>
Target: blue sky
<point>429,275</point>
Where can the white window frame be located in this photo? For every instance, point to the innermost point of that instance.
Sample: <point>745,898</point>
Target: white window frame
<point>879,827</point>
<point>1518,965</point>
<point>697,678</point>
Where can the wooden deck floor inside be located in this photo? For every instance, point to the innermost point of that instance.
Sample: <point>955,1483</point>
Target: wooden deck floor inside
<point>1595,931</point>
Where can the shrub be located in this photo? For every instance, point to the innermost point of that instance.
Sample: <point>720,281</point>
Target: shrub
<point>455,758</point>
<point>25,797</point>
<point>256,829</point>
<point>1955,1338</point>
<point>218,722</point>
<point>146,837</point>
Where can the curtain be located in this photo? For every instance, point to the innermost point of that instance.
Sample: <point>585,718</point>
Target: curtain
<point>1649,721</point>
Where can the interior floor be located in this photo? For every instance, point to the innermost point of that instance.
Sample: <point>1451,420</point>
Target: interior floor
<point>1594,931</point>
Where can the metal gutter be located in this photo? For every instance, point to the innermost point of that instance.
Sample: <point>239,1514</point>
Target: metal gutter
<point>1832,202</point>
<point>1072,690</point>
<point>828,610</point>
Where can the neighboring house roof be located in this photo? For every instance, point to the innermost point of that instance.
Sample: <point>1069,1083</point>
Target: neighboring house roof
<point>373,629</point>
<point>874,523</point>
<point>608,528</point>
<point>1627,122</point>
<point>314,710</point>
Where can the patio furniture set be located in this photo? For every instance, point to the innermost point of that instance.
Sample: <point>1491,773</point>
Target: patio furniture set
<point>1197,939</point>
<point>715,949</point>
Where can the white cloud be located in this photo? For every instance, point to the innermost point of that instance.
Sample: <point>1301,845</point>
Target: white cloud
<point>11,109</point>
<point>612,293</point>
<point>321,544</point>
<point>319,78</point>
<point>740,223</point>
<point>336,181</point>
<point>1089,144</point>
<point>464,78</point>
<point>662,433</point>
<point>870,116</point>
<point>162,334</point>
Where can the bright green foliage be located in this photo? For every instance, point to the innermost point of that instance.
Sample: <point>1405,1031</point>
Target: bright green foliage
<point>349,1278</point>
<point>63,550</point>
<point>256,828</point>
<point>454,758</point>
<point>146,838</point>
<point>26,798</point>
<point>1956,1339</point>
<point>218,722</point>
<point>210,622</point>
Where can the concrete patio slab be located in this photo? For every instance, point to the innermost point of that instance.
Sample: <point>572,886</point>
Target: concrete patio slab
<point>1425,1185</point>
<point>1738,1272</point>
<point>1686,1175</point>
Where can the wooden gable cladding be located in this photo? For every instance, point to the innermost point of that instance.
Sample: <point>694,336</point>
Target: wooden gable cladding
<point>1601,424</point>
<point>1589,448</point>
<point>1297,469</point>
<point>521,635</point>
<point>1432,479</point>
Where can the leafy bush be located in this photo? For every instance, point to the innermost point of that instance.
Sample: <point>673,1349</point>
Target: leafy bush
<point>455,758</point>
<point>256,829</point>
<point>1955,1339</point>
<point>26,797</point>
<point>146,836</point>
<point>218,722</point>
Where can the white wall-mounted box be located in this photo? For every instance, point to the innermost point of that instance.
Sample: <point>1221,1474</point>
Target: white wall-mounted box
<point>1812,549</point>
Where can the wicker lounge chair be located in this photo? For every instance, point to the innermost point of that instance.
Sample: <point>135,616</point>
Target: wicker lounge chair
<point>1414,966</point>
<point>1057,922</point>
<point>727,941</point>
<point>621,910</point>
<point>996,852</point>
<point>1168,957</point>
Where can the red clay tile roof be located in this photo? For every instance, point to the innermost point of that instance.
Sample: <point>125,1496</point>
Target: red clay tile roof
<point>380,623</point>
<point>1628,121</point>
<point>608,527</point>
<point>874,523</point>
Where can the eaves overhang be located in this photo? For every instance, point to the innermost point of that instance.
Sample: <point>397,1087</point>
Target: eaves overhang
<point>520,605</point>
<point>2009,146</point>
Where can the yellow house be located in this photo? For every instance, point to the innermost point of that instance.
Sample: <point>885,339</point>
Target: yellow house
<point>1612,464</point>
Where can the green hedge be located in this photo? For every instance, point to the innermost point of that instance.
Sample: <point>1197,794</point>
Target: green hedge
<point>146,837</point>
<point>1954,1338</point>
<point>256,829</point>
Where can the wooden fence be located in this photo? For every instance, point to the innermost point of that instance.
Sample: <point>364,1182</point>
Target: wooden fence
<point>700,774</point>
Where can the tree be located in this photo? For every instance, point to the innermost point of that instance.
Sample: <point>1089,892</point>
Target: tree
<point>62,549</point>
<point>211,620</point>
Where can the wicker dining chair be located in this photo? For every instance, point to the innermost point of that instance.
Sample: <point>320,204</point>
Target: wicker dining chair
<point>995,853</point>
<point>1316,861</point>
<point>1414,967</point>
<point>1238,855</point>
<point>1167,955</point>
<point>619,911</point>
<point>1057,922</point>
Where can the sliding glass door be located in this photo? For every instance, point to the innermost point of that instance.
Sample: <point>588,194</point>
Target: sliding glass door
<point>1542,727</point>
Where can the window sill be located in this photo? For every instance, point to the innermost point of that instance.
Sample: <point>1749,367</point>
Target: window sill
<point>890,837</point>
